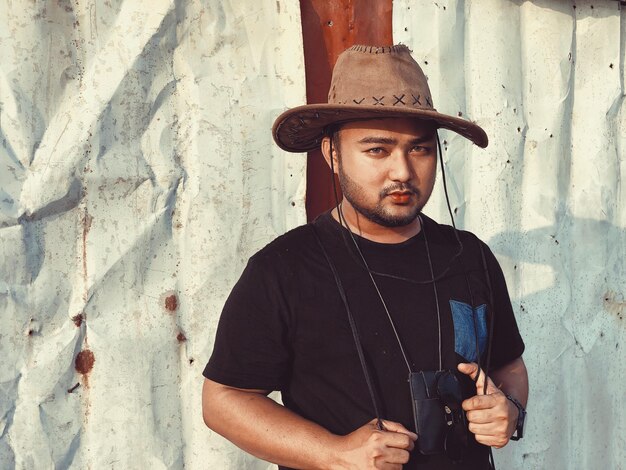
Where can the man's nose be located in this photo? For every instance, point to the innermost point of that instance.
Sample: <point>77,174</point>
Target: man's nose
<point>400,168</point>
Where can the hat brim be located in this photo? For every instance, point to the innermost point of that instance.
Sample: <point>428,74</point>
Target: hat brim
<point>301,129</point>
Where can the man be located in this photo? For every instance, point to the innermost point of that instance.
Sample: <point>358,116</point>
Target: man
<point>336,314</point>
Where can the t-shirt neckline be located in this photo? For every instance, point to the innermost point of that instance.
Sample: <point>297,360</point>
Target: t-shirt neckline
<point>327,219</point>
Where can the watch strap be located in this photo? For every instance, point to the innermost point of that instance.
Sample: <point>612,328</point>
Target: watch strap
<point>521,417</point>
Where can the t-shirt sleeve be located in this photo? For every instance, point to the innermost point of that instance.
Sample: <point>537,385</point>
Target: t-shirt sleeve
<point>251,349</point>
<point>507,343</point>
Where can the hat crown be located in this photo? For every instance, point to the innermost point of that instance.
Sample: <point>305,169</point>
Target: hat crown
<point>379,76</point>
<point>369,82</point>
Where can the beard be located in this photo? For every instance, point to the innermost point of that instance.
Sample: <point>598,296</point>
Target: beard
<point>377,213</point>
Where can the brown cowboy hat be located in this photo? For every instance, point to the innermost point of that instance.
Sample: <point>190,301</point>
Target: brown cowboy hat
<point>368,83</point>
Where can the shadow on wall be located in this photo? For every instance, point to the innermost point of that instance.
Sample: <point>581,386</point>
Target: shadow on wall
<point>586,260</point>
<point>568,287</point>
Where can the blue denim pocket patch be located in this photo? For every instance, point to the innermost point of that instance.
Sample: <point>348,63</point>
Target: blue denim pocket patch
<point>465,317</point>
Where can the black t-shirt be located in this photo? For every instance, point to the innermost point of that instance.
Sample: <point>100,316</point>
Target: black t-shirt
<point>284,326</point>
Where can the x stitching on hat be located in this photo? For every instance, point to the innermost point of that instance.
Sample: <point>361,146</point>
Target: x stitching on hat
<point>416,100</point>
<point>399,100</point>
<point>378,100</point>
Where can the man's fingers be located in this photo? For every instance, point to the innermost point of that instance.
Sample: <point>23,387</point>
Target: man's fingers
<point>396,456</point>
<point>481,416</point>
<point>399,441</point>
<point>492,441</point>
<point>392,444</point>
<point>390,466</point>
<point>399,428</point>
<point>471,369</point>
<point>468,368</point>
<point>486,429</point>
<point>480,402</point>
<point>391,439</point>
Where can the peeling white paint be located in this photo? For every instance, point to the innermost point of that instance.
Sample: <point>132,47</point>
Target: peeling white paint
<point>137,175</point>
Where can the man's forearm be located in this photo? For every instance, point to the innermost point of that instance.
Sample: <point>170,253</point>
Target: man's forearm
<point>512,379</point>
<point>262,427</point>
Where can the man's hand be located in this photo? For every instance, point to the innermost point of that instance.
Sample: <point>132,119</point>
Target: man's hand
<point>492,417</point>
<point>270,431</point>
<point>370,448</point>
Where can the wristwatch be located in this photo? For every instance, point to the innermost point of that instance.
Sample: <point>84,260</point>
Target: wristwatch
<point>521,419</point>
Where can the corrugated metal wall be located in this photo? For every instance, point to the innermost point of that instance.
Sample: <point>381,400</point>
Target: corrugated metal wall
<point>137,174</point>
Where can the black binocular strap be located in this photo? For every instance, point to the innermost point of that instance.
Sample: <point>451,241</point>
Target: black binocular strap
<point>491,308</point>
<point>355,332</point>
<point>492,461</point>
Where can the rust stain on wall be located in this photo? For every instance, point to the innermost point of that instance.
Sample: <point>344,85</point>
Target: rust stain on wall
<point>78,319</point>
<point>171,303</point>
<point>84,362</point>
<point>181,337</point>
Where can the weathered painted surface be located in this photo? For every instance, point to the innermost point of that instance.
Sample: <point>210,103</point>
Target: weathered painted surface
<point>546,81</point>
<point>137,174</point>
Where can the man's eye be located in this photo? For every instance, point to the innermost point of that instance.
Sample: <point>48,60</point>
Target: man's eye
<point>420,149</point>
<point>375,150</point>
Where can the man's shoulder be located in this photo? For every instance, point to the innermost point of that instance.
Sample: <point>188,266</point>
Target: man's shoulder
<point>476,254</point>
<point>291,245</point>
<point>444,233</point>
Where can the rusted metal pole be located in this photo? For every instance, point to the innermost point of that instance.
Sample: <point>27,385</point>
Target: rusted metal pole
<point>329,27</point>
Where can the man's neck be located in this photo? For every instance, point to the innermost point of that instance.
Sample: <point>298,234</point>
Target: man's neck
<point>370,230</point>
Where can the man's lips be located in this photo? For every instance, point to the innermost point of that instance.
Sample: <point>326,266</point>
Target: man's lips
<point>401,197</point>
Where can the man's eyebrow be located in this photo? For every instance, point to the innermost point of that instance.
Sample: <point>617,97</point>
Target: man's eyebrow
<point>424,138</point>
<point>390,141</point>
<point>378,140</point>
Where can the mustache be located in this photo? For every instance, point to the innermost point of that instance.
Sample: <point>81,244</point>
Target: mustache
<point>399,187</point>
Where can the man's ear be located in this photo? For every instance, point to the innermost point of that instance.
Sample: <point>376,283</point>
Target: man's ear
<point>325,147</point>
